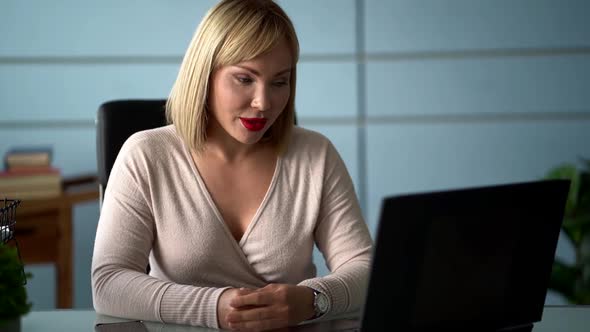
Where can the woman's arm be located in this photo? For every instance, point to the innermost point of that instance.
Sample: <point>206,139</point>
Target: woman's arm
<point>124,238</point>
<point>343,238</point>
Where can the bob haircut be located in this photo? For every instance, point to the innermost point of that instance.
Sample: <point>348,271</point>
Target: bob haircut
<point>233,31</point>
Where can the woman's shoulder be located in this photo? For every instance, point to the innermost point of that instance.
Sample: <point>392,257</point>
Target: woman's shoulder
<point>308,138</point>
<point>163,132</point>
<point>154,143</point>
<point>308,144</point>
<point>151,137</point>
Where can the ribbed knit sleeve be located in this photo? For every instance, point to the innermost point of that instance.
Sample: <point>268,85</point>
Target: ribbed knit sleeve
<point>178,298</point>
<point>125,235</point>
<point>343,238</point>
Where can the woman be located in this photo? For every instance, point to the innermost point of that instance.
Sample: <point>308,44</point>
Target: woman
<point>226,203</point>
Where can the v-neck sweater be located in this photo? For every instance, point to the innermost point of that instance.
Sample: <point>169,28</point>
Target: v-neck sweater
<point>157,209</point>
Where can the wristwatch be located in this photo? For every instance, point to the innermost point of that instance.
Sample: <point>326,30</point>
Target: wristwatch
<point>320,303</point>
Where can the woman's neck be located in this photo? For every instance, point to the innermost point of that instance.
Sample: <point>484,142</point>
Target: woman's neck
<point>222,146</point>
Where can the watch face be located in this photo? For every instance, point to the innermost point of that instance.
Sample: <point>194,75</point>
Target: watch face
<point>322,302</point>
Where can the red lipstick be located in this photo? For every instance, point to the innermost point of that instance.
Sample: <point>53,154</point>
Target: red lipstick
<point>253,124</point>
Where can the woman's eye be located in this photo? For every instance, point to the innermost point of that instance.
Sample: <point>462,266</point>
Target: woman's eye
<point>244,80</point>
<point>280,83</point>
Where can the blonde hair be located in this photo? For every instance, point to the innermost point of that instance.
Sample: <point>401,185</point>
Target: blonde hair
<point>233,31</point>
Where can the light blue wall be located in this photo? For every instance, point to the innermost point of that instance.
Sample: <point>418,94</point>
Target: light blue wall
<point>416,95</point>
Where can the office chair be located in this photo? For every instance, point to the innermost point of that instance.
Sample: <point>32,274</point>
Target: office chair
<point>115,122</point>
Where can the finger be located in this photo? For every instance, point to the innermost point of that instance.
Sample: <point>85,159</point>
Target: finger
<point>253,299</point>
<point>263,325</point>
<point>252,314</point>
<point>245,291</point>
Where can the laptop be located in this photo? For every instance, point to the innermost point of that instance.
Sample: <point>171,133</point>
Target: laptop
<point>474,259</point>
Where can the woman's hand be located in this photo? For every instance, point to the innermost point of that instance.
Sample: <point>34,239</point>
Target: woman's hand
<point>272,307</point>
<point>224,307</point>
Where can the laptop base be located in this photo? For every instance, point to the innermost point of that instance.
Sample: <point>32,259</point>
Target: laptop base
<point>521,328</point>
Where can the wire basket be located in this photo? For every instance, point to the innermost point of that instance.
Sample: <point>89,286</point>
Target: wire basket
<point>7,227</point>
<point>8,219</point>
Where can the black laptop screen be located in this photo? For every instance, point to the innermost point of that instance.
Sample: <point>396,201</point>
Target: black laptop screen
<point>474,259</point>
<point>471,260</point>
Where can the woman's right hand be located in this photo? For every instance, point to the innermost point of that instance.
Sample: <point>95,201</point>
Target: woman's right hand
<point>223,305</point>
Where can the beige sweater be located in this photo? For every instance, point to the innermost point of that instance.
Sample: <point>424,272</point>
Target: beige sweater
<point>156,208</point>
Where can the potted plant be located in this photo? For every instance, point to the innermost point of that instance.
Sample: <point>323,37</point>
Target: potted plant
<point>573,281</point>
<point>13,294</point>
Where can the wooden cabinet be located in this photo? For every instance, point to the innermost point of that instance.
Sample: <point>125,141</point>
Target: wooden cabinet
<point>44,232</point>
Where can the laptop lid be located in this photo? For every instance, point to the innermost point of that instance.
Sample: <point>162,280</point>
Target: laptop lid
<point>474,259</point>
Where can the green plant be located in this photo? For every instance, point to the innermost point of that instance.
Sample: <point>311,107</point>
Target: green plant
<point>13,294</point>
<point>573,281</point>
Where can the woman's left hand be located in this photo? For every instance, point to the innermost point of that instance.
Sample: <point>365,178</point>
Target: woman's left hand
<point>274,306</point>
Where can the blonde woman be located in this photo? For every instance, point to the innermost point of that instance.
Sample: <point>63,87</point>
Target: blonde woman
<point>226,203</point>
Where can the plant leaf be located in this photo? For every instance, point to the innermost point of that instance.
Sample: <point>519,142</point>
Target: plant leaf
<point>567,172</point>
<point>13,294</point>
<point>563,278</point>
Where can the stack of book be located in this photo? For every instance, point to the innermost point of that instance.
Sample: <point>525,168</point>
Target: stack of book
<point>29,174</point>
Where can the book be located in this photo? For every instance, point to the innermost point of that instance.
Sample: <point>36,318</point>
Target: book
<point>30,169</point>
<point>32,194</point>
<point>30,184</point>
<point>28,157</point>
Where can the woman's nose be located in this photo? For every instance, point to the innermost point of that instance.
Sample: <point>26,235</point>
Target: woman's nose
<point>261,100</point>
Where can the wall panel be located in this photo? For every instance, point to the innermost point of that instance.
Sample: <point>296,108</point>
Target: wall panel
<point>479,86</point>
<point>74,91</point>
<point>150,28</point>
<point>431,25</point>
<point>424,157</point>
<point>323,27</point>
<point>326,90</point>
<point>74,149</point>
<point>70,28</point>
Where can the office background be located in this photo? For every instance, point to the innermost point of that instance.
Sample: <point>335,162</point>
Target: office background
<point>416,95</point>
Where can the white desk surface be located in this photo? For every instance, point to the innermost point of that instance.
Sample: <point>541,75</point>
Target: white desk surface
<point>555,318</point>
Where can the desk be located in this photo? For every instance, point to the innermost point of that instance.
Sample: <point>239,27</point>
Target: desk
<point>44,232</point>
<point>565,318</point>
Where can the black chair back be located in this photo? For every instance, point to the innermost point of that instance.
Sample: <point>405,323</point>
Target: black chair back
<point>116,121</point>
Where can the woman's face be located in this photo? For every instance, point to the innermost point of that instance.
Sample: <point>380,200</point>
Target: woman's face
<point>246,98</point>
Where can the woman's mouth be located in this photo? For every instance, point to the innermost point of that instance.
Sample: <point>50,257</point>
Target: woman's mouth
<point>253,124</point>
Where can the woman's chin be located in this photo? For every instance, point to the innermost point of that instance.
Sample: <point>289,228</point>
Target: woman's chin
<point>250,138</point>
